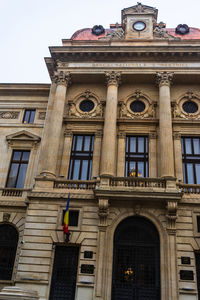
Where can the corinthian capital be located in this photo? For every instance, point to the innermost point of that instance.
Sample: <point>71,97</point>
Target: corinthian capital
<point>62,77</point>
<point>164,78</point>
<point>113,77</point>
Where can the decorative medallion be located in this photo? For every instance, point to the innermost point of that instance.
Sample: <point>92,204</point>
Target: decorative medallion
<point>187,107</point>
<point>86,105</point>
<point>137,106</point>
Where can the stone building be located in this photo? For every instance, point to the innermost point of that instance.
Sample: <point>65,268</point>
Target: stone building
<point>118,129</point>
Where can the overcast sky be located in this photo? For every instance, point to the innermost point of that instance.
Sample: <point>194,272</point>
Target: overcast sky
<point>29,27</point>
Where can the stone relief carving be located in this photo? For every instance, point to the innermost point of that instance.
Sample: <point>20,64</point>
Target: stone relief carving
<point>164,78</point>
<point>113,78</point>
<point>6,217</point>
<point>126,112</point>
<point>172,215</point>
<point>159,33</point>
<point>62,78</point>
<point>103,211</point>
<point>42,115</point>
<point>177,106</point>
<point>117,34</point>
<point>74,111</point>
<point>9,114</point>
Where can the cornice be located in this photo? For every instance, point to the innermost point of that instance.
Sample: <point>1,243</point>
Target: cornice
<point>24,89</point>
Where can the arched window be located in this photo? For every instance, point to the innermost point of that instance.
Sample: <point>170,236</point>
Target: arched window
<point>8,247</point>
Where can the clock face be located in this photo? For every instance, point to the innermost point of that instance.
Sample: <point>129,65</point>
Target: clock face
<point>139,26</point>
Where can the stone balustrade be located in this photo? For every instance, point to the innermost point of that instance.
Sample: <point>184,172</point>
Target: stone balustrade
<point>76,184</point>
<point>189,188</point>
<point>137,182</point>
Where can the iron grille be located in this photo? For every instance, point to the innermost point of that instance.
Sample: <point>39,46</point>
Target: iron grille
<point>136,261</point>
<point>63,282</point>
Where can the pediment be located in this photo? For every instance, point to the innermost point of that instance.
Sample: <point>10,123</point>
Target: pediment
<point>23,136</point>
<point>140,9</point>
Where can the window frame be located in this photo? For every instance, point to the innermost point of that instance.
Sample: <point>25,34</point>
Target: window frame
<point>137,156</point>
<point>192,158</point>
<point>81,155</point>
<point>20,162</point>
<point>30,110</point>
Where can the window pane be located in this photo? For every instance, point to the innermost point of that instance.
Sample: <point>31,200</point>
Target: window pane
<point>26,117</point>
<point>133,144</point>
<point>12,175</point>
<point>21,176</point>
<point>90,170</point>
<point>147,170</point>
<point>184,177</point>
<point>147,146</point>
<point>188,146</point>
<point>140,144</point>
<point>190,173</point>
<point>182,145</point>
<point>87,143</point>
<point>26,155</point>
<point>140,169</point>
<point>132,168</point>
<point>17,155</point>
<point>32,116</point>
<point>84,169</point>
<point>79,143</point>
<point>197,167</point>
<point>196,146</point>
<point>76,170</point>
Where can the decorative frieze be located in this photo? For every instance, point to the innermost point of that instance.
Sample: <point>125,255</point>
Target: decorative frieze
<point>113,78</point>
<point>164,78</point>
<point>9,114</point>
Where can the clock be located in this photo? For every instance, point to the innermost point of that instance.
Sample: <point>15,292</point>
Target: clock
<point>139,26</point>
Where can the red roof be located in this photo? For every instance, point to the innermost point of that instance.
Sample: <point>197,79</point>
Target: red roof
<point>87,35</point>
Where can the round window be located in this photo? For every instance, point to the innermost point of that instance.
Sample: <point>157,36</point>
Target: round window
<point>190,107</point>
<point>86,105</point>
<point>137,106</point>
<point>139,26</point>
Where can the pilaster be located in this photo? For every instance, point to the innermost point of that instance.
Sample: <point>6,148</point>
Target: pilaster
<point>121,153</point>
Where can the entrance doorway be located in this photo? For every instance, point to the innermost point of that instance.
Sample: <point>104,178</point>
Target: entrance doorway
<point>136,261</point>
<point>63,282</point>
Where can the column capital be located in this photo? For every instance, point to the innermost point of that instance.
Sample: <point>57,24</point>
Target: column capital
<point>176,135</point>
<point>62,78</point>
<point>68,133</point>
<point>113,78</point>
<point>121,135</point>
<point>98,134</point>
<point>164,78</point>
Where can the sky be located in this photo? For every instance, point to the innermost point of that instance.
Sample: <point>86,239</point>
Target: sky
<point>29,27</point>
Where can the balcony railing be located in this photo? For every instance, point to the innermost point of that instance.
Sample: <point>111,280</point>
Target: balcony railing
<point>76,184</point>
<point>10,192</point>
<point>137,182</point>
<point>189,188</point>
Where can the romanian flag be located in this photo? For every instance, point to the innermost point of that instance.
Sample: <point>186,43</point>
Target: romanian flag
<point>66,218</point>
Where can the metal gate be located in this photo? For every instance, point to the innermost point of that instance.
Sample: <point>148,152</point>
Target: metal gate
<point>63,282</point>
<point>136,261</point>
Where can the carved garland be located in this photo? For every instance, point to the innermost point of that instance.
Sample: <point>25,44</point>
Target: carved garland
<point>177,107</point>
<point>76,112</point>
<point>126,112</point>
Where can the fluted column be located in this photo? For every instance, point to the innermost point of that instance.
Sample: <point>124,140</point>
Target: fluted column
<point>109,145</point>
<point>96,154</point>
<point>164,80</point>
<point>121,154</point>
<point>52,139</point>
<point>64,169</point>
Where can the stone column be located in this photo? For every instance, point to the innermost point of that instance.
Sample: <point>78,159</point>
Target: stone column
<point>96,154</point>
<point>153,155</point>
<point>165,125</point>
<point>108,160</point>
<point>55,120</point>
<point>64,169</point>
<point>121,154</point>
<point>178,156</point>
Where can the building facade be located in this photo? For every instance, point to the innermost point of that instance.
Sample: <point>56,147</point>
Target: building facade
<point>118,129</point>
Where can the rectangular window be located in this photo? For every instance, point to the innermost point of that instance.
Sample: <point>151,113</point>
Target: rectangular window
<point>73,217</point>
<point>18,168</point>
<point>136,156</point>
<point>29,116</point>
<point>191,159</point>
<point>81,157</point>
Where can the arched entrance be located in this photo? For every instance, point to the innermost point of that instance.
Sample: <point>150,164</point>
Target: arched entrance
<point>136,260</point>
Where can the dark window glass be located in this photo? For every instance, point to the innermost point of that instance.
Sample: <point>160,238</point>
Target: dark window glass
<point>198,223</point>
<point>8,247</point>
<point>86,105</point>
<point>197,258</point>
<point>190,107</point>
<point>29,116</point>
<point>136,156</point>
<point>18,168</point>
<point>137,106</point>
<point>191,159</point>
<point>81,157</point>
<point>73,217</point>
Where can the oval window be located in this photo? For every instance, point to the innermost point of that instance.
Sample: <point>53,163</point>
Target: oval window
<point>190,107</point>
<point>86,105</point>
<point>137,106</point>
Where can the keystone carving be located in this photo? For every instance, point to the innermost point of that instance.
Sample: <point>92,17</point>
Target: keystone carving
<point>164,78</point>
<point>171,215</point>
<point>63,78</point>
<point>6,217</point>
<point>103,211</point>
<point>113,78</point>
